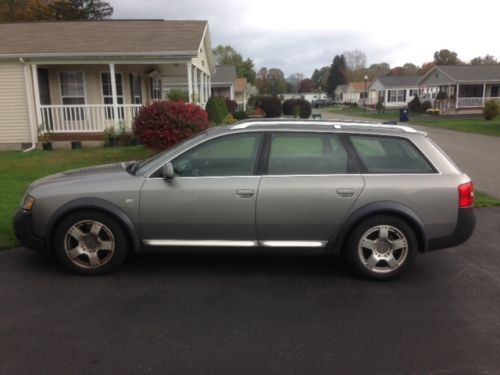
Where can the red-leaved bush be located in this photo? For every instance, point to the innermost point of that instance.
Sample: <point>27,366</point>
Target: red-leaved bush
<point>164,123</point>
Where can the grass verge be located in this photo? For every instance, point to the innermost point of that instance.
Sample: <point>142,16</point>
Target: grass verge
<point>19,169</point>
<point>484,200</point>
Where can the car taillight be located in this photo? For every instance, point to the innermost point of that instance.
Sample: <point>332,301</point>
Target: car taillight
<point>466,195</point>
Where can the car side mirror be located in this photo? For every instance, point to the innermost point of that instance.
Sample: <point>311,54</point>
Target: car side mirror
<point>168,171</point>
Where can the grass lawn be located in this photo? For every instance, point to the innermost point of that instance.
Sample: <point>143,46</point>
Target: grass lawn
<point>464,123</point>
<point>19,169</point>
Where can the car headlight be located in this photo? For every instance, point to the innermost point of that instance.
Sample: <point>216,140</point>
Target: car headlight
<point>28,202</point>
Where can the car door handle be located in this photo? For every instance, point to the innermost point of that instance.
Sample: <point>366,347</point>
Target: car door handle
<point>345,193</point>
<point>245,193</point>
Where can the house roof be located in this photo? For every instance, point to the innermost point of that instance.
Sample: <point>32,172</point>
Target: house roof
<point>241,85</point>
<point>399,81</point>
<point>359,86</point>
<point>98,37</point>
<point>224,74</point>
<point>469,73</point>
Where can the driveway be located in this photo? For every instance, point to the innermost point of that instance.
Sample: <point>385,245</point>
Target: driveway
<point>243,314</point>
<point>478,155</point>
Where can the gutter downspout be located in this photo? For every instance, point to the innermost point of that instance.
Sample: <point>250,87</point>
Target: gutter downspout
<point>30,114</point>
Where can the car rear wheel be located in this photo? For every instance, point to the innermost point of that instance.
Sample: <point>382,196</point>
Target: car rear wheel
<point>90,242</point>
<point>382,247</point>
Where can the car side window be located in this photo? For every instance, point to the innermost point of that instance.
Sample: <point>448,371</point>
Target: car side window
<point>232,155</point>
<point>306,153</point>
<point>390,155</point>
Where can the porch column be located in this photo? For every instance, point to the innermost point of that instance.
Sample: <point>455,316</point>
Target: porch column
<point>205,81</point>
<point>200,88</point>
<point>456,96</point>
<point>207,95</point>
<point>36,92</point>
<point>484,93</point>
<point>114,95</point>
<point>190,82</point>
<point>209,86</point>
<point>195,83</point>
<point>232,92</point>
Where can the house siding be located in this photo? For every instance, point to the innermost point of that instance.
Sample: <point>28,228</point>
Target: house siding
<point>14,109</point>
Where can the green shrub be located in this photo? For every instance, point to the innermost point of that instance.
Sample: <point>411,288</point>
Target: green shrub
<point>229,119</point>
<point>176,94</point>
<point>231,105</point>
<point>271,106</point>
<point>240,115</point>
<point>127,138</point>
<point>216,109</point>
<point>426,106</point>
<point>297,108</point>
<point>490,110</point>
<point>414,105</point>
<point>380,107</point>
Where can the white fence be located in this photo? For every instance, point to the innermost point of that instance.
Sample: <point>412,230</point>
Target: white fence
<point>86,118</point>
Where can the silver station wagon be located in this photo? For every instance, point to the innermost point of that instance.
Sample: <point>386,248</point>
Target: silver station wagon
<point>377,194</point>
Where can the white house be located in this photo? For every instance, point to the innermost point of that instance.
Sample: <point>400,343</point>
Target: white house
<point>394,91</point>
<point>475,84</point>
<point>75,79</point>
<point>309,96</point>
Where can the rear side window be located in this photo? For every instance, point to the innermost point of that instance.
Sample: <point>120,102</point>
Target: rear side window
<point>390,155</point>
<point>306,153</point>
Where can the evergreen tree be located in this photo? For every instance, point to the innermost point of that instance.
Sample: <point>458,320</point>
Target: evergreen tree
<point>338,74</point>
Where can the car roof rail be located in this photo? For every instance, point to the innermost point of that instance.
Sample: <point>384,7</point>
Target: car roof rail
<point>337,124</point>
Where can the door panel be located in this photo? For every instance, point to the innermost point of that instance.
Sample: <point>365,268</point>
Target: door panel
<point>204,208</point>
<point>304,208</point>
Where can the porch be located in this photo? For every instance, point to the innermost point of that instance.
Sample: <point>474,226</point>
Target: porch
<point>88,98</point>
<point>467,96</point>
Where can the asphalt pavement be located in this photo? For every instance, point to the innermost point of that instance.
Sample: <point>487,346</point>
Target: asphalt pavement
<point>255,314</point>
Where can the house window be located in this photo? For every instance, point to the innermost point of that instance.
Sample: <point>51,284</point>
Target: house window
<point>107,94</point>
<point>72,93</point>
<point>135,89</point>
<point>156,89</point>
<point>413,93</point>
<point>396,95</point>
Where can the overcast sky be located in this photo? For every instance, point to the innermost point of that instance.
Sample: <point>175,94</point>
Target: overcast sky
<point>299,36</point>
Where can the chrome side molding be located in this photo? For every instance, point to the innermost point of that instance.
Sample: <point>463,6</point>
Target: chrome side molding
<point>231,243</point>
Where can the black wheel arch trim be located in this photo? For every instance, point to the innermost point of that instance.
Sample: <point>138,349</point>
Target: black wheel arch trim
<point>380,208</point>
<point>94,204</point>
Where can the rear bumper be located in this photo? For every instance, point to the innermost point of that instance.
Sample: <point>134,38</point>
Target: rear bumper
<point>465,227</point>
<point>23,230</point>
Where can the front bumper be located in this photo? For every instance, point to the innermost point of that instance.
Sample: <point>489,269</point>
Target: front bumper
<point>23,229</point>
<point>466,223</point>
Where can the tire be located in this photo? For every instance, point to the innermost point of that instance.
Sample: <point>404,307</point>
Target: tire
<point>90,243</point>
<point>381,247</point>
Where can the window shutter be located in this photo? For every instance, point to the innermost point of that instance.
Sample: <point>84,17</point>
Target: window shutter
<point>404,96</point>
<point>388,96</point>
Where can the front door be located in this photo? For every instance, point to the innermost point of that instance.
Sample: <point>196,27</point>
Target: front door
<point>211,200</point>
<point>308,190</point>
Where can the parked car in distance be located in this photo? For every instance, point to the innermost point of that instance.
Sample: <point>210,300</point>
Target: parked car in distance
<point>322,103</point>
<point>378,194</point>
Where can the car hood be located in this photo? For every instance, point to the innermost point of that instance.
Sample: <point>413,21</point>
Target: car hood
<point>100,172</point>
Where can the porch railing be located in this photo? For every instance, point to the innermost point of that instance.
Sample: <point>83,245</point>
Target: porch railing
<point>86,118</point>
<point>476,102</point>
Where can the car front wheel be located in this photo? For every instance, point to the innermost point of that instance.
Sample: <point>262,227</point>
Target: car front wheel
<point>90,242</point>
<point>382,247</point>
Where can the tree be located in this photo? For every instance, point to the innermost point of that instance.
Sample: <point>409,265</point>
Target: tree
<point>320,77</point>
<point>271,81</point>
<point>378,70</point>
<point>338,74</point>
<point>446,57</point>
<point>356,65</point>
<point>45,10</point>
<point>426,67</point>
<point>488,59</point>
<point>294,80</point>
<point>227,55</point>
<point>410,69</point>
<point>397,71</point>
<point>306,85</point>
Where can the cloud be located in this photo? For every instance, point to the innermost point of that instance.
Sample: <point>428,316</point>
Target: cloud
<point>298,36</point>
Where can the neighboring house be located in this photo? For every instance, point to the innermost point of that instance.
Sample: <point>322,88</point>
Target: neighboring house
<point>223,81</point>
<point>353,92</point>
<point>242,93</point>
<point>475,84</point>
<point>393,91</point>
<point>75,79</point>
<point>309,96</point>
<point>339,93</point>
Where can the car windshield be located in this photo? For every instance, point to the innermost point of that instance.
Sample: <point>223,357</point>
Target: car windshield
<point>158,159</point>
